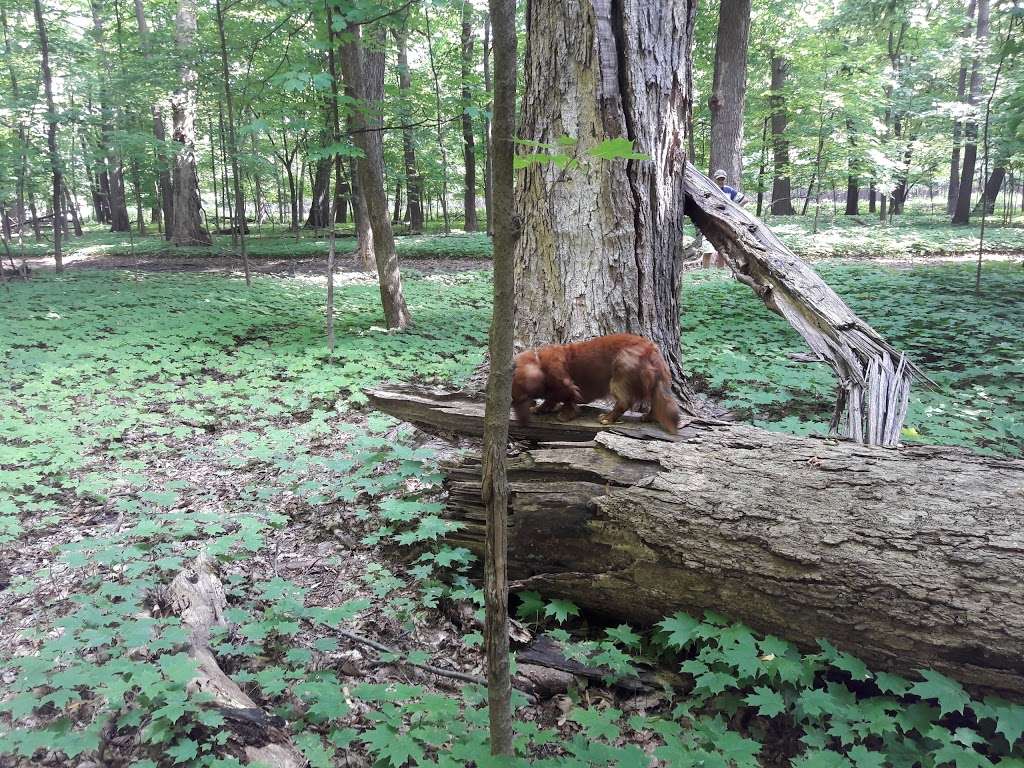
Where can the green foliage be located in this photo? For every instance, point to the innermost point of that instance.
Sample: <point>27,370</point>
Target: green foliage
<point>967,344</point>
<point>198,365</point>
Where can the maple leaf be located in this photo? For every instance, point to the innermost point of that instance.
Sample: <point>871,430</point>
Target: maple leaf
<point>768,702</point>
<point>949,693</point>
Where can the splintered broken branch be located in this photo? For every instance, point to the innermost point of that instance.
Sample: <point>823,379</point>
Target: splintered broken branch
<point>874,377</point>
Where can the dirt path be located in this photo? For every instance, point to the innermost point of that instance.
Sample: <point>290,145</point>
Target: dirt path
<point>309,268</point>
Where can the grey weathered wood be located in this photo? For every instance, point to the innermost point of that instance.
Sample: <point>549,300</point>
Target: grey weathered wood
<point>874,378</point>
<point>197,596</point>
<point>908,559</point>
<point>442,410</point>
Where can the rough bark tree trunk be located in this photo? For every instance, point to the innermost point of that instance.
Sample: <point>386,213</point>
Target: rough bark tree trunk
<point>601,250</point>
<point>365,79</point>
<point>991,190</point>
<point>51,136</point>
<point>236,175</point>
<point>413,182</point>
<point>962,214</point>
<point>961,87</point>
<point>118,207</point>
<point>729,89</point>
<point>852,182</point>
<point>320,201</point>
<point>488,148</point>
<point>782,191</point>
<point>187,222</point>
<point>468,139</point>
<point>494,485</point>
<point>437,116</point>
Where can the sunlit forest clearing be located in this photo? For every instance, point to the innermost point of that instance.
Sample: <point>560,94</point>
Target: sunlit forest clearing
<point>265,267</point>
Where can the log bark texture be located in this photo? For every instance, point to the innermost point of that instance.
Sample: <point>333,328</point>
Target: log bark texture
<point>907,559</point>
<point>197,596</point>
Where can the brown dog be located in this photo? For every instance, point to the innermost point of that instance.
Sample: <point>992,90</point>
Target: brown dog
<point>629,368</point>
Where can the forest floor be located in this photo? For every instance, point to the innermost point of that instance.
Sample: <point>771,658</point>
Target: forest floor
<point>150,414</point>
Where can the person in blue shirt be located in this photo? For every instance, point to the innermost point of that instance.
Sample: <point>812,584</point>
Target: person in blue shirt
<point>734,194</point>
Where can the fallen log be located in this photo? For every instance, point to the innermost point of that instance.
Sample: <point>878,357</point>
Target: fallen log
<point>197,596</point>
<point>908,559</point>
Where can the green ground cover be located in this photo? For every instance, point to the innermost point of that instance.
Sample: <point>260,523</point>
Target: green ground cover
<point>120,387</point>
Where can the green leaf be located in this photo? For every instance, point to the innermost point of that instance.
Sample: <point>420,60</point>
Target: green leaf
<point>949,693</point>
<point>183,750</point>
<point>598,724</point>
<point>768,702</point>
<point>624,635</point>
<point>682,629</point>
<point>531,604</point>
<point>561,610</point>
<point>616,149</point>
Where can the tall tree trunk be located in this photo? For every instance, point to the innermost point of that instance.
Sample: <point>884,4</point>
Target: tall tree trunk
<point>320,200</point>
<point>103,215</point>
<point>962,214</point>
<point>762,168</point>
<point>488,144</point>
<point>729,89</point>
<point>961,87</point>
<point>342,190</point>
<point>213,173</point>
<point>229,101</point>
<point>118,207</point>
<point>187,224</point>
<point>852,196</point>
<point>22,173</point>
<point>468,140</point>
<point>852,182</point>
<point>364,234</point>
<point>782,190</point>
<point>601,249</point>
<point>293,197</point>
<point>51,136</point>
<point>413,181</point>
<point>396,216</point>
<point>494,482</point>
<point>991,190</point>
<point>164,181</point>
<point>364,76</point>
<point>440,133</point>
<point>72,208</point>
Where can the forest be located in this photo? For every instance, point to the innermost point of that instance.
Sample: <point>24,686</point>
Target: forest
<point>291,474</point>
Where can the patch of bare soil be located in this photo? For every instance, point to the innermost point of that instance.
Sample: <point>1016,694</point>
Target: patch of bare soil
<point>346,271</point>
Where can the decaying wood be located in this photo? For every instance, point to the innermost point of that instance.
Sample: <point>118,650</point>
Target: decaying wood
<point>197,596</point>
<point>461,413</point>
<point>874,378</point>
<point>907,559</point>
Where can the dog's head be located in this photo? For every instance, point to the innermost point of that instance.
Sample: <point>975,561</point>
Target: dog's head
<point>527,385</point>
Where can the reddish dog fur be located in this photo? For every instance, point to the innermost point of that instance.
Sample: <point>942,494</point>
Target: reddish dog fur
<point>627,367</point>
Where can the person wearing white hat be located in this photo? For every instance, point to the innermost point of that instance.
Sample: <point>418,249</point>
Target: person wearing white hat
<point>734,194</point>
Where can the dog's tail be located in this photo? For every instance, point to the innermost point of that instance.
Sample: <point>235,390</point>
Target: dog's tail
<point>664,407</point>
